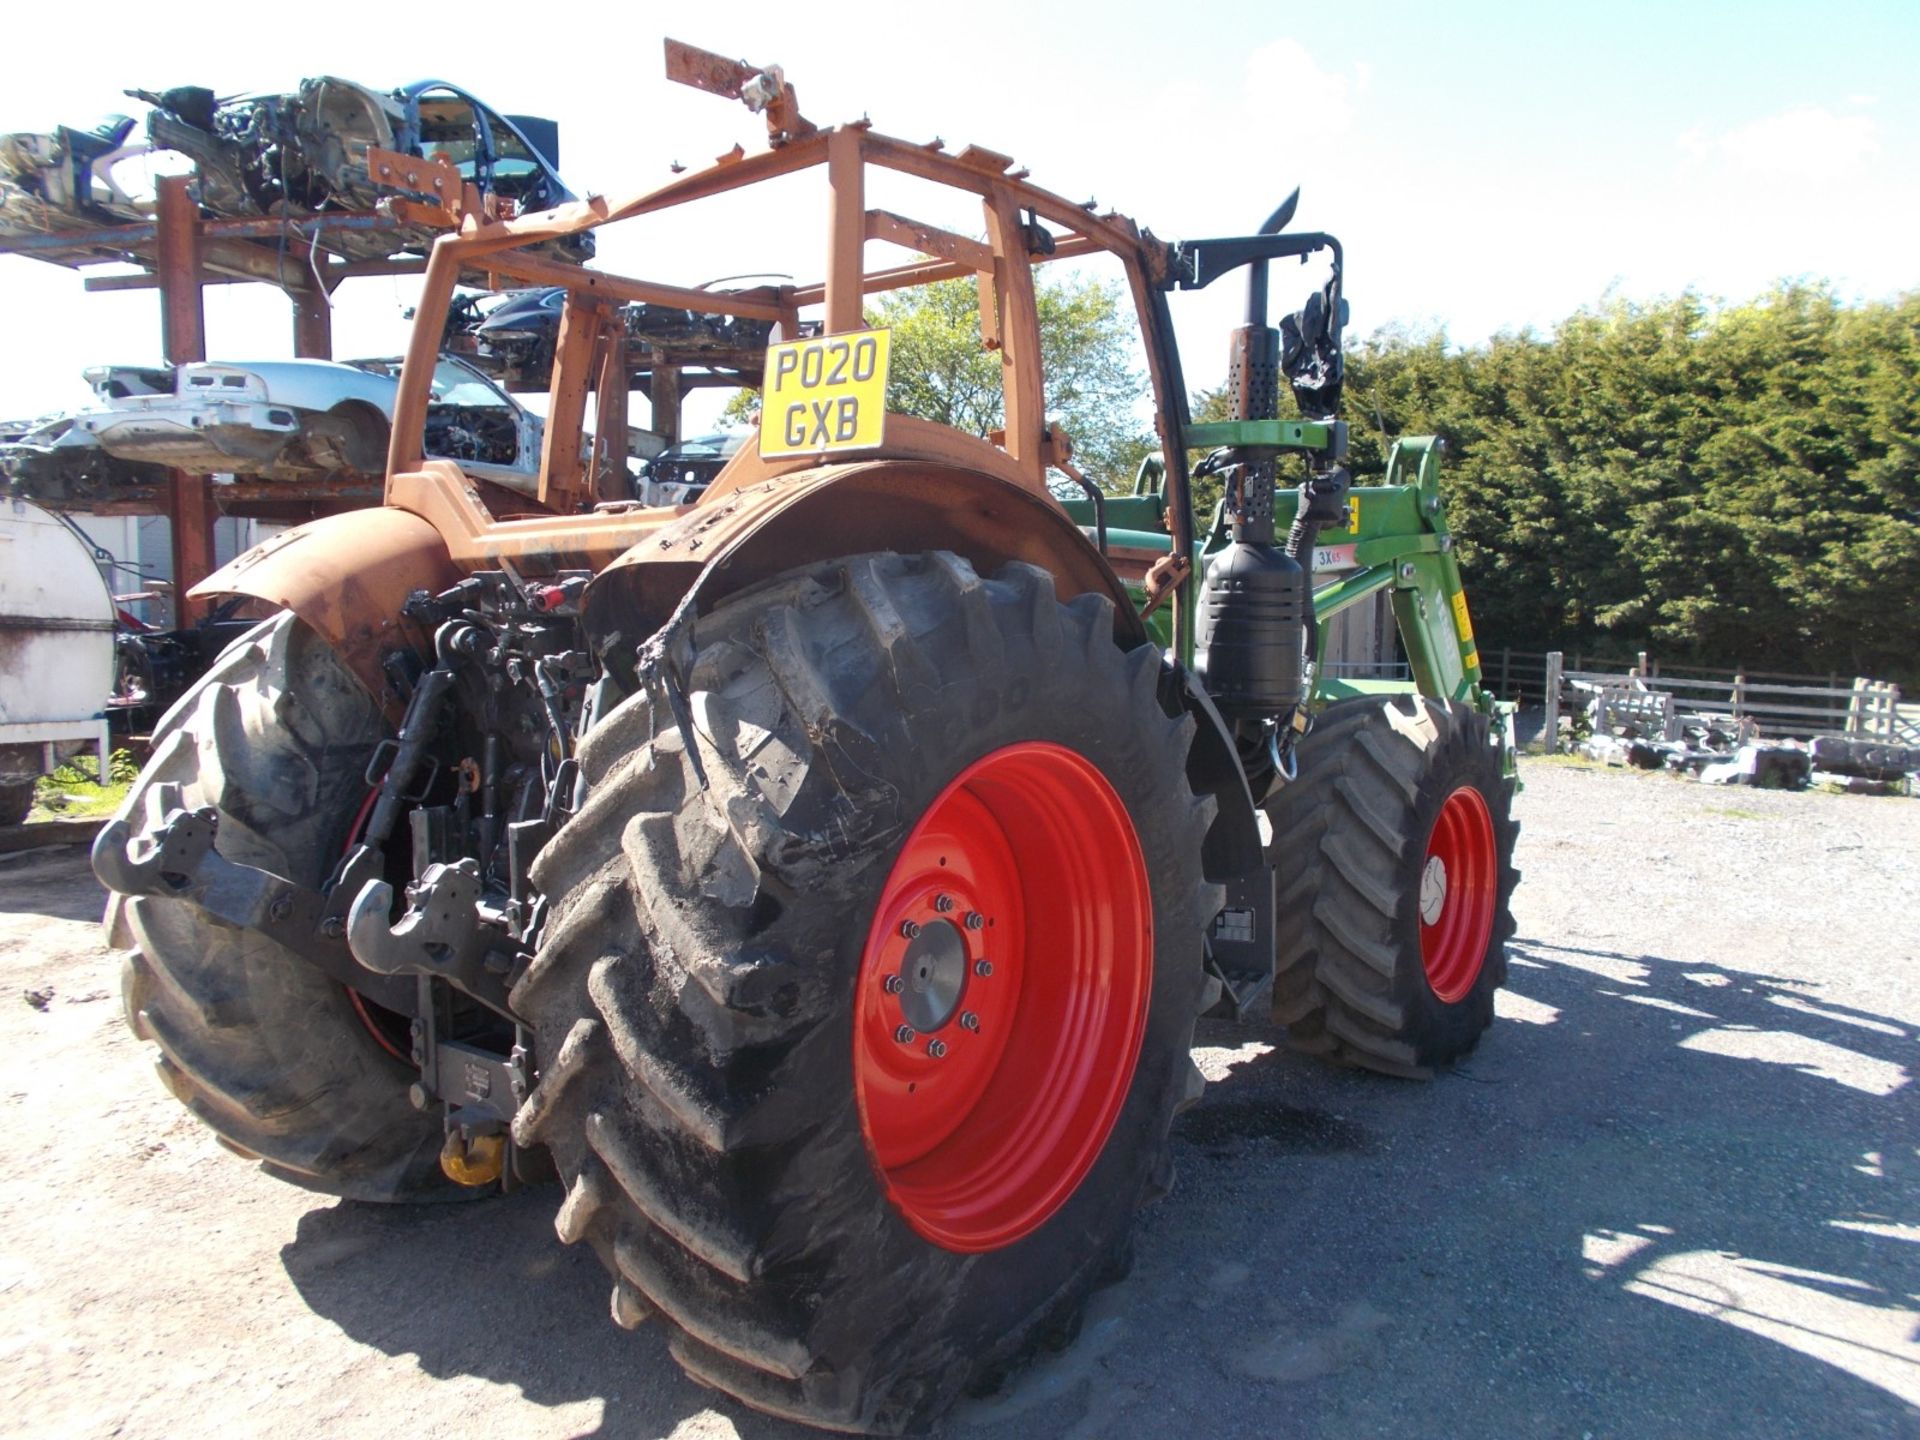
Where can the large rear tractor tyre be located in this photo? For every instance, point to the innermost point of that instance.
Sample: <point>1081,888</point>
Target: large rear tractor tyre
<point>1394,856</point>
<point>858,1059</point>
<point>286,1066</point>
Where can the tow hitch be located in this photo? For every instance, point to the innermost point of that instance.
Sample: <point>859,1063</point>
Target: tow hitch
<point>175,859</point>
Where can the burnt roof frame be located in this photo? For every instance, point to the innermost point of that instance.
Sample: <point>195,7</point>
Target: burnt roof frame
<point>499,250</point>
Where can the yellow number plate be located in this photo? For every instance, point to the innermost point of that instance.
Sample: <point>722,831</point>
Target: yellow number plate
<point>825,394</point>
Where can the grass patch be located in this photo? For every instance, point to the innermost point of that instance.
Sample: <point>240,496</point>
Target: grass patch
<point>1738,813</point>
<point>73,793</point>
<point>1566,760</point>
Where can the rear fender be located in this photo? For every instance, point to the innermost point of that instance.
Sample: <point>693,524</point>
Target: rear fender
<point>347,577</point>
<point>753,532</point>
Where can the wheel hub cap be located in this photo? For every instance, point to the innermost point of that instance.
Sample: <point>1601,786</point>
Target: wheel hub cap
<point>932,975</point>
<point>1433,890</point>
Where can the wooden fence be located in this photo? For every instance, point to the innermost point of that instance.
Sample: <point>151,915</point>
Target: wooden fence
<point>1521,674</point>
<point>1778,704</point>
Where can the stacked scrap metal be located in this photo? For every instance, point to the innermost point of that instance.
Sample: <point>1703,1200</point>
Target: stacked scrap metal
<point>1632,725</point>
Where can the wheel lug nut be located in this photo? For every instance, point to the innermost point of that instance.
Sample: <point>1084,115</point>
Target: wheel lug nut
<point>904,1035</point>
<point>983,968</point>
<point>969,1021</point>
<point>943,903</point>
<point>975,919</point>
<point>910,929</point>
<point>936,1048</point>
<point>894,984</point>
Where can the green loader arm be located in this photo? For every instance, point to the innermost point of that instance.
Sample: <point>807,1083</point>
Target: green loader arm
<point>1396,539</point>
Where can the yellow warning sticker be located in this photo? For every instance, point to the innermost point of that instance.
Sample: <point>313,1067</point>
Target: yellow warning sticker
<point>1460,620</point>
<point>825,394</point>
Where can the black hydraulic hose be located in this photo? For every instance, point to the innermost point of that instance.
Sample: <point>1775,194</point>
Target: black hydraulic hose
<point>423,713</point>
<point>550,702</point>
<point>1300,543</point>
<point>1099,499</point>
<point>453,643</point>
<point>1322,502</point>
<point>490,797</point>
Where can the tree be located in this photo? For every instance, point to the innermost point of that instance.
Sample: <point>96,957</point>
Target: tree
<point>1088,340</point>
<point>1723,484</point>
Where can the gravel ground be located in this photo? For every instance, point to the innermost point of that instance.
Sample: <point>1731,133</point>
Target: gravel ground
<point>1675,1192</point>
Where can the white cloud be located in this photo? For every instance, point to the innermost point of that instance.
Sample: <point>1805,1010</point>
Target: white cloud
<point>1283,78</point>
<point>1809,139</point>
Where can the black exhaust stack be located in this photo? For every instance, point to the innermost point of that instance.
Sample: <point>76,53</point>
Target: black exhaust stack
<point>1254,604</point>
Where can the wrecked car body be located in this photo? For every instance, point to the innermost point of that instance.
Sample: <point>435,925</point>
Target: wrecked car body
<point>297,154</point>
<point>50,182</point>
<point>306,153</point>
<point>513,336</point>
<point>276,420</point>
<point>680,474</point>
<point>53,462</point>
<point>284,419</point>
<point>695,332</point>
<point>469,419</point>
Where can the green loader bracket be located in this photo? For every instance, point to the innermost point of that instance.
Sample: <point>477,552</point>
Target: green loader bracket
<point>1396,539</point>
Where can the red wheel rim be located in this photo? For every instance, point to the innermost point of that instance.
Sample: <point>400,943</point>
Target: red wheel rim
<point>1459,880</point>
<point>1003,996</point>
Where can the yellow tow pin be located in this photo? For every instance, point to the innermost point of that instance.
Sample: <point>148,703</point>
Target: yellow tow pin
<point>476,1163</point>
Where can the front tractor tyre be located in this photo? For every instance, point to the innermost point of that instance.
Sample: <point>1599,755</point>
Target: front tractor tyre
<point>1394,859</point>
<point>862,1023</point>
<point>284,1064</point>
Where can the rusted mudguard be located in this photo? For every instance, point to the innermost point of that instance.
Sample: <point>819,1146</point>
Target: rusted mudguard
<point>750,534</point>
<point>347,577</point>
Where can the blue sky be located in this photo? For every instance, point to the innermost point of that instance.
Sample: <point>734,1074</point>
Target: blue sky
<point>1489,166</point>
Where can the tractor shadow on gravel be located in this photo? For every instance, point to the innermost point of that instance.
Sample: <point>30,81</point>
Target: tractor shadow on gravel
<point>1661,1198</point>
<point>55,882</point>
<point>487,1290</point>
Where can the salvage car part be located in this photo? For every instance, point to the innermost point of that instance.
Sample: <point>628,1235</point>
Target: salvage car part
<point>306,152</point>
<point>52,182</point>
<point>680,474</point>
<point>284,420</point>
<point>298,154</point>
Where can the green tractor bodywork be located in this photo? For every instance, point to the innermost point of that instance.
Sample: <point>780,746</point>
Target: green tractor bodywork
<point>1396,539</point>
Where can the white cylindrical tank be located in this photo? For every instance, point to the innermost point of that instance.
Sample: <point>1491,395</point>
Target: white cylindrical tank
<point>56,648</point>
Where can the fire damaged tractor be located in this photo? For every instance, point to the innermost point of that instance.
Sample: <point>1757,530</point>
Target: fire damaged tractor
<point>823,880</point>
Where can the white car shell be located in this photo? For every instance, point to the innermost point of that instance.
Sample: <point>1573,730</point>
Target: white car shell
<point>288,419</point>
